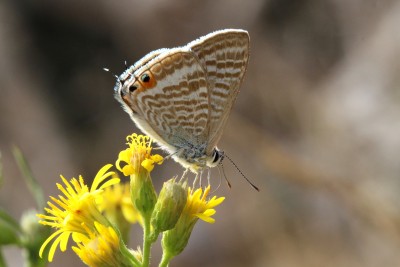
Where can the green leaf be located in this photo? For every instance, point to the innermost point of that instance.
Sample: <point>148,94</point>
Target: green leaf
<point>9,229</point>
<point>30,180</point>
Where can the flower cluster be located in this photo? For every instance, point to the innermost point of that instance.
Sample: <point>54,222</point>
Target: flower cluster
<point>99,218</point>
<point>76,211</point>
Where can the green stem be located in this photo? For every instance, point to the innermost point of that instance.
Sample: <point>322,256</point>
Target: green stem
<point>166,258</point>
<point>135,262</point>
<point>2,261</point>
<point>146,243</point>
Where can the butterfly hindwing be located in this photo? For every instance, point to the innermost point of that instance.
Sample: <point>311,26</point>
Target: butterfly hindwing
<point>224,55</point>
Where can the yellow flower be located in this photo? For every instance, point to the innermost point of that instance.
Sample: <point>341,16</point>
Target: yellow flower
<point>116,199</point>
<point>197,207</point>
<point>137,155</point>
<point>117,206</point>
<point>101,247</point>
<point>76,211</point>
<point>139,162</point>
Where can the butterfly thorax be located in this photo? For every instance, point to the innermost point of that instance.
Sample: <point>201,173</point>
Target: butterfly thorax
<point>196,160</point>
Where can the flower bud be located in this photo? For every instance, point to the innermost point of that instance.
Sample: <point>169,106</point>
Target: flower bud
<point>169,206</point>
<point>33,236</point>
<point>175,240</point>
<point>143,195</point>
<point>197,207</point>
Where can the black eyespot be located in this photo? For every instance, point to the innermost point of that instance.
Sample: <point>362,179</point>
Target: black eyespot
<point>145,78</point>
<point>132,88</point>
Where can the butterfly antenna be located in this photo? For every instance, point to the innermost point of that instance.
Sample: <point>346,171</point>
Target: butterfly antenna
<point>226,178</point>
<point>116,76</point>
<point>247,179</point>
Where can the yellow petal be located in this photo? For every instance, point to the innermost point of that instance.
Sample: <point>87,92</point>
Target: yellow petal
<point>148,164</point>
<point>157,158</point>
<point>205,218</point>
<point>128,170</point>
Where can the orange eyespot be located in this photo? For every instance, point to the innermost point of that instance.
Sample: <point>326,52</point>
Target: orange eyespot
<point>147,80</point>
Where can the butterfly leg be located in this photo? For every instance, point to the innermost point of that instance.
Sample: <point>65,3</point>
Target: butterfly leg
<point>220,179</point>
<point>184,174</point>
<point>208,175</point>
<point>197,179</point>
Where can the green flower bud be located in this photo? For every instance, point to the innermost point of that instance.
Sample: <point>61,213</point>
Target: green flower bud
<point>33,237</point>
<point>197,207</point>
<point>169,206</point>
<point>143,195</point>
<point>175,240</point>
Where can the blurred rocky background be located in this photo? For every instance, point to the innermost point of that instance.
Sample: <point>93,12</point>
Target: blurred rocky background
<point>316,125</point>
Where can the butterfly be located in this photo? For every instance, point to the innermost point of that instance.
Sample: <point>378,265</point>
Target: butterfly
<point>182,97</point>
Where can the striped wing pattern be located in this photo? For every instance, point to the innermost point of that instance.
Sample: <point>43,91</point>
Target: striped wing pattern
<point>177,107</point>
<point>182,96</point>
<point>224,55</point>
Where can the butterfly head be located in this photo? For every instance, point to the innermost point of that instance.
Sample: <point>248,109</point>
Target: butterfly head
<point>216,158</point>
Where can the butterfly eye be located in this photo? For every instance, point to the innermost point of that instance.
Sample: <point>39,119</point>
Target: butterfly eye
<point>132,88</point>
<point>145,78</point>
<point>217,156</point>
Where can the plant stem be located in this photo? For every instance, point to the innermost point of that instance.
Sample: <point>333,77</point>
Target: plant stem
<point>2,261</point>
<point>133,261</point>
<point>146,243</point>
<point>166,258</point>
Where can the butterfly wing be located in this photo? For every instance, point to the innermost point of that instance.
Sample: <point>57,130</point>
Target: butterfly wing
<point>224,56</point>
<point>171,102</point>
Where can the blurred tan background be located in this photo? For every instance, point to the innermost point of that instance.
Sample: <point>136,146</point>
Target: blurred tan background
<point>316,125</point>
